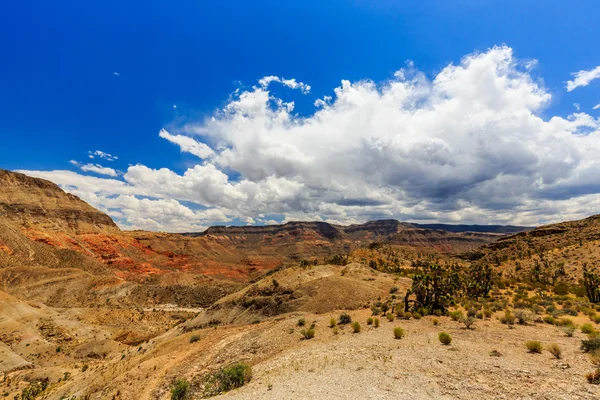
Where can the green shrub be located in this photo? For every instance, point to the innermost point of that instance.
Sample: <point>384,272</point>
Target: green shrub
<point>394,290</point>
<point>417,315</point>
<point>301,322</point>
<point>345,319</point>
<point>596,318</point>
<point>468,321</point>
<point>534,346</point>
<point>587,328</point>
<point>398,333</point>
<point>508,318</point>
<point>194,338</point>
<point>34,389</point>
<point>487,313</point>
<point>555,350</point>
<point>590,345</point>
<point>332,322</point>
<point>376,322</point>
<point>523,316</point>
<point>456,315</point>
<point>355,327</point>
<point>435,322</point>
<point>569,330</point>
<point>369,321</point>
<point>85,367</point>
<point>445,338</point>
<point>307,333</point>
<point>231,377</point>
<point>549,319</point>
<point>390,317</point>
<point>180,390</point>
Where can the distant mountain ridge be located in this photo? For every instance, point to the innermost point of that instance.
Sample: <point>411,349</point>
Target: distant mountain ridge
<point>377,227</point>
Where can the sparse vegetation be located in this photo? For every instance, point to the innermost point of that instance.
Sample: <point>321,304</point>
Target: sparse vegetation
<point>194,338</point>
<point>180,390</point>
<point>355,327</point>
<point>533,346</point>
<point>369,321</point>
<point>301,322</point>
<point>376,322</point>
<point>332,322</point>
<point>308,333</point>
<point>555,350</point>
<point>445,338</point>
<point>345,319</point>
<point>587,328</point>
<point>398,333</point>
<point>228,378</point>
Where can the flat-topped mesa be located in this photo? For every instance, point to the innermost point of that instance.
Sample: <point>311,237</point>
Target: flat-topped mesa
<point>41,204</point>
<point>382,227</point>
<point>323,228</point>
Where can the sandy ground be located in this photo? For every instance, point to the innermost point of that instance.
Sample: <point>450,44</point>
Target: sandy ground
<point>374,365</point>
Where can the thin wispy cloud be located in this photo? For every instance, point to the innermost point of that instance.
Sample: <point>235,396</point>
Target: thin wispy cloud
<point>101,154</point>
<point>95,168</point>
<point>583,78</point>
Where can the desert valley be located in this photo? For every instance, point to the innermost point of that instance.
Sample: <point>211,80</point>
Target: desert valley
<point>380,310</point>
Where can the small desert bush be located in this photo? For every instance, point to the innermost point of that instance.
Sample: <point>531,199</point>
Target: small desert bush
<point>564,322</point>
<point>307,333</point>
<point>376,322</point>
<point>587,328</point>
<point>487,313</point>
<point>533,346</point>
<point>180,390</point>
<point>569,330</point>
<point>301,322</point>
<point>445,338</point>
<point>508,318</point>
<point>456,315</point>
<point>593,377</point>
<point>332,322</point>
<point>369,321</point>
<point>194,338</point>
<point>590,345</point>
<point>523,316</point>
<point>435,322</point>
<point>355,327</point>
<point>549,319</point>
<point>398,333</point>
<point>390,317</point>
<point>228,378</point>
<point>336,330</point>
<point>417,315</point>
<point>555,350</point>
<point>468,322</point>
<point>345,319</point>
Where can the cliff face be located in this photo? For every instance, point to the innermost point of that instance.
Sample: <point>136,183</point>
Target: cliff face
<point>33,202</point>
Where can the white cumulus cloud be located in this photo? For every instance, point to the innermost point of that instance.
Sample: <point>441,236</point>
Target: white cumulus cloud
<point>187,144</point>
<point>95,168</point>
<point>583,78</point>
<point>470,144</point>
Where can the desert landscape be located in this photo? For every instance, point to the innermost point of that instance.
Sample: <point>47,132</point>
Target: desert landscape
<point>303,310</point>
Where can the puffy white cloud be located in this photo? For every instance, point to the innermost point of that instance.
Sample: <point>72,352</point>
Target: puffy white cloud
<point>95,168</point>
<point>468,145</point>
<point>597,106</point>
<point>583,78</point>
<point>291,83</point>
<point>101,154</point>
<point>187,144</point>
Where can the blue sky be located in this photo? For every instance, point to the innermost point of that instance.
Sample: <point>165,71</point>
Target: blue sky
<point>85,76</point>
